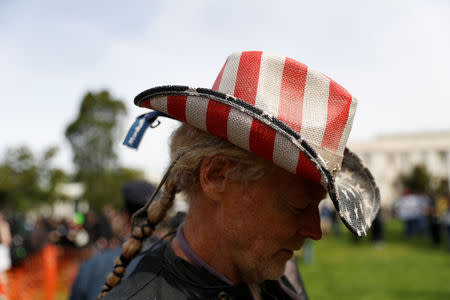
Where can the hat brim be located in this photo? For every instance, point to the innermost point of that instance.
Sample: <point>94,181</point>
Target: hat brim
<point>352,191</point>
<point>358,197</point>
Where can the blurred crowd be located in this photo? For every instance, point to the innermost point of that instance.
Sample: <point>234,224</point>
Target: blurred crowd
<point>96,231</point>
<point>422,215</point>
<point>24,240</point>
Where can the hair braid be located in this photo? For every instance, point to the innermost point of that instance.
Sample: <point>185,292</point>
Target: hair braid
<point>156,212</point>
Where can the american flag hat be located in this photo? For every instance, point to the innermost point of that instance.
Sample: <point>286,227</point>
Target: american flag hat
<point>287,113</point>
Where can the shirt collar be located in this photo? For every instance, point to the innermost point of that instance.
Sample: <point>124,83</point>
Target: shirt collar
<point>195,259</point>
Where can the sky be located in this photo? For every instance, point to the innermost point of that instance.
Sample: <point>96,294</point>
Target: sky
<point>393,56</point>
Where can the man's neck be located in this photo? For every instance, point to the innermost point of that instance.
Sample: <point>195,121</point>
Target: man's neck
<point>204,240</point>
<point>203,246</point>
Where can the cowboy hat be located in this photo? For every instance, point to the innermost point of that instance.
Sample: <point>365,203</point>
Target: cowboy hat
<point>285,112</point>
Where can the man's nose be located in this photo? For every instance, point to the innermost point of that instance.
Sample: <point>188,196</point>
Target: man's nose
<point>310,224</point>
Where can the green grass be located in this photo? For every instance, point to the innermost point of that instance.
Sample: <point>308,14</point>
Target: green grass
<point>343,268</point>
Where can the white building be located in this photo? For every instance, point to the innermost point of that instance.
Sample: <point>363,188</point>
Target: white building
<point>388,156</point>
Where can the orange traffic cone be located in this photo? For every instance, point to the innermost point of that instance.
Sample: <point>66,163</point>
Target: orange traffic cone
<point>50,257</point>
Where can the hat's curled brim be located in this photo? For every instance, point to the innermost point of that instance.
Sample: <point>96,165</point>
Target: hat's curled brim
<point>352,190</point>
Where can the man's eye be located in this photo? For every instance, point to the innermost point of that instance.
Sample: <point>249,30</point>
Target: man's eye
<point>299,210</point>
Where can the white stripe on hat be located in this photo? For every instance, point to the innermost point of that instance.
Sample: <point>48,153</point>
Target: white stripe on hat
<point>196,108</point>
<point>230,70</point>
<point>315,107</point>
<point>269,83</point>
<point>160,104</point>
<point>348,126</point>
<point>285,153</point>
<point>239,133</point>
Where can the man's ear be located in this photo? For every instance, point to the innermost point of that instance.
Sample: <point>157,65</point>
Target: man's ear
<point>213,180</point>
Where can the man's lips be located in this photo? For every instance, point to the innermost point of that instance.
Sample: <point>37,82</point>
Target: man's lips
<point>295,247</point>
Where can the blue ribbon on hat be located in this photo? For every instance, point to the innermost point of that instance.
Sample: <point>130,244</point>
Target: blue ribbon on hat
<point>140,125</point>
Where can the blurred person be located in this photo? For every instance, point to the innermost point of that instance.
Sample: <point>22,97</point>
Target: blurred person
<point>446,222</point>
<point>441,205</point>
<point>326,217</point>
<point>378,229</point>
<point>412,208</point>
<point>89,224</point>
<point>253,180</point>
<point>64,233</point>
<point>93,273</point>
<point>42,232</point>
<point>335,224</point>
<point>434,225</point>
<point>119,227</point>
<point>102,231</point>
<point>5,254</point>
<point>329,218</point>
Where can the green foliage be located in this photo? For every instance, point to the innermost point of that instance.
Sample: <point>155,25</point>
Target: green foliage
<point>106,189</point>
<point>26,181</point>
<point>94,133</point>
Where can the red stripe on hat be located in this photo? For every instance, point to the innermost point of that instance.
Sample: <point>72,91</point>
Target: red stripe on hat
<point>217,118</point>
<point>146,104</point>
<point>247,76</point>
<point>291,94</point>
<point>219,78</point>
<point>262,139</point>
<point>306,169</point>
<point>339,101</point>
<point>176,107</point>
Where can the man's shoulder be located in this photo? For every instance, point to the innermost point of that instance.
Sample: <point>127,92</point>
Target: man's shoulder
<point>147,281</point>
<point>107,255</point>
<point>100,263</point>
<point>92,274</point>
<point>161,275</point>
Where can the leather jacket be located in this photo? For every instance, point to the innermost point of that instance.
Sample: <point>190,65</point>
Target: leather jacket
<point>162,275</point>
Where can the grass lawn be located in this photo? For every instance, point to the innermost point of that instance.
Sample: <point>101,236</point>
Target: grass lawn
<point>400,269</point>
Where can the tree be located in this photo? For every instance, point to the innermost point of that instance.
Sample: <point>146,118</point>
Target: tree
<point>94,133</point>
<point>105,189</point>
<point>93,136</point>
<point>419,180</point>
<point>26,181</point>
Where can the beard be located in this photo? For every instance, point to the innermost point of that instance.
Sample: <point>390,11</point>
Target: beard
<point>256,269</point>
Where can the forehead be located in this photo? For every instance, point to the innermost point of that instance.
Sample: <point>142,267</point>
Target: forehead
<point>282,181</point>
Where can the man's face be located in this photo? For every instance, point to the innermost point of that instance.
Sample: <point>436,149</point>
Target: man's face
<point>267,220</point>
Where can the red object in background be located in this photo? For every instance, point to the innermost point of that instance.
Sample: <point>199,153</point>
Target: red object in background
<point>2,291</point>
<point>50,258</point>
<point>45,275</point>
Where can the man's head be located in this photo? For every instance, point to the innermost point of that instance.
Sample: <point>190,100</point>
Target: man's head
<point>275,140</point>
<point>135,194</point>
<point>260,212</point>
<point>283,111</point>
